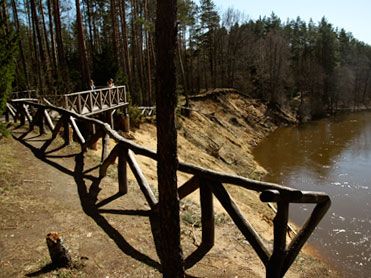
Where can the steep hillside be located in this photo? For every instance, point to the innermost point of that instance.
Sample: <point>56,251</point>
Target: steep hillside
<point>219,134</point>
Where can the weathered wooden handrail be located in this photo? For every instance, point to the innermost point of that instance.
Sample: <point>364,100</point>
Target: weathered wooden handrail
<point>208,181</point>
<point>24,94</point>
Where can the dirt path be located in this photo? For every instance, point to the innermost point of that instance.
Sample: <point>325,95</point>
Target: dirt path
<point>108,235</point>
<point>37,198</point>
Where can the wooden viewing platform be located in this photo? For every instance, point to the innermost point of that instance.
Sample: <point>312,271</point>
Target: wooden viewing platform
<point>96,101</point>
<point>86,103</point>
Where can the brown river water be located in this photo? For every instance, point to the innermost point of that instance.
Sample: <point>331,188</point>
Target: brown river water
<point>334,156</point>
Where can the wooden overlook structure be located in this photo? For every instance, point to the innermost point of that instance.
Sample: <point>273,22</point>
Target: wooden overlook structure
<point>75,111</point>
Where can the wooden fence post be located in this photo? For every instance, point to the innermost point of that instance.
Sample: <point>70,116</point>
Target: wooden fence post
<point>79,106</point>
<point>7,115</point>
<point>40,120</point>
<point>22,115</point>
<point>207,215</point>
<point>105,142</point>
<point>66,131</point>
<point>122,171</point>
<point>275,264</point>
<point>49,121</point>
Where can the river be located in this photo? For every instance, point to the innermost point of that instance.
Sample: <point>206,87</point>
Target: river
<point>334,156</point>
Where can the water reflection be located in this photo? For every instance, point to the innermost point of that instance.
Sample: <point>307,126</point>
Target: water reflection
<point>333,156</point>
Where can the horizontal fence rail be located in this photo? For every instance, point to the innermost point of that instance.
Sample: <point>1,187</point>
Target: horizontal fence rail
<point>24,94</point>
<point>210,183</point>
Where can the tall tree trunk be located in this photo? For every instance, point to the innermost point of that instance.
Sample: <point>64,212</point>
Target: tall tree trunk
<point>142,79</point>
<point>85,71</point>
<point>45,34</point>
<point>124,32</point>
<point>31,46</point>
<point>115,31</point>
<point>148,57</point>
<point>62,63</point>
<point>4,15</point>
<point>52,41</point>
<point>181,68</point>
<point>20,44</point>
<point>166,37</point>
<point>39,51</point>
<point>90,28</point>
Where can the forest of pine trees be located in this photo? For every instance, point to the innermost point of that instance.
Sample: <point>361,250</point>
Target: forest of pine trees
<point>64,44</point>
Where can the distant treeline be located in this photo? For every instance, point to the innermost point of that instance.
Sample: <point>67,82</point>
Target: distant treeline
<point>64,44</point>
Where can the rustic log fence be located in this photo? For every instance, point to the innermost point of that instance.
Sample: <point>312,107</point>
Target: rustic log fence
<point>210,183</point>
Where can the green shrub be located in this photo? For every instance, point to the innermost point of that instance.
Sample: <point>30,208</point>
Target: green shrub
<point>135,115</point>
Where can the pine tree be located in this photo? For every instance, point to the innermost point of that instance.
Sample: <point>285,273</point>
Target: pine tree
<point>8,56</point>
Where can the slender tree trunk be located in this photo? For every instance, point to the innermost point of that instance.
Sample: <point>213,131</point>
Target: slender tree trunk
<point>85,71</point>
<point>62,63</point>
<point>148,57</point>
<point>184,81</point>
<point>38,48</point>
<point>127,64</point>
<point>52,41</point>
<point>96,35</point>
<point>89,18</point>
<point>20,44</point>
<point>166,36</point>
<point>4,15</point>
<point>34,70</point>
<point>45,34</point>
<point>141,74</point>
<point>115,31</point>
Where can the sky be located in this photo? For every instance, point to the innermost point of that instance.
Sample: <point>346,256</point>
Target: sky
<point>354,16</point>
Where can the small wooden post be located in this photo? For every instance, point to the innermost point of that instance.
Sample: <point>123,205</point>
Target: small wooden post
<point>91,101</point>
<point>110,97</point>
<point>122,171</point>
<point>28,114</point>
<point>111,118</point>
<point>275,264</point>
<point>105,142</point>
<point>58,252</point>
<point>101,99</point>
<point>126,122</point>
<point>207,215</point>
<point>66,131</point>
<point>66,102</point>
<point>7,115</point>
<point>48,120</point>
<point>40,120</point>
<point>22,115</point>
<point>79,107</point>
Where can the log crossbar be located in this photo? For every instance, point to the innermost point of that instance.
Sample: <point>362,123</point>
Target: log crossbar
<point>210,183</point>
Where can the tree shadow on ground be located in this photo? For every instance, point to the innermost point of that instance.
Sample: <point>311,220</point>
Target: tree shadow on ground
<point>89,202</point>
<point>88,195</point>
<point>44,270</point>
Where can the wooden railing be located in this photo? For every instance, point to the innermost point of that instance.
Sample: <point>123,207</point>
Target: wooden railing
<point>24,94</point>
<point>93,101</point>
<point>210,183</point>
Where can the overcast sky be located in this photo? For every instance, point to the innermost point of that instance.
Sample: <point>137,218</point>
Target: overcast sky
<point>354,16</point>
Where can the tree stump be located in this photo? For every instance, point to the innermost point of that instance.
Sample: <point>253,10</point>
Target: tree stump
<point>58,252</point>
